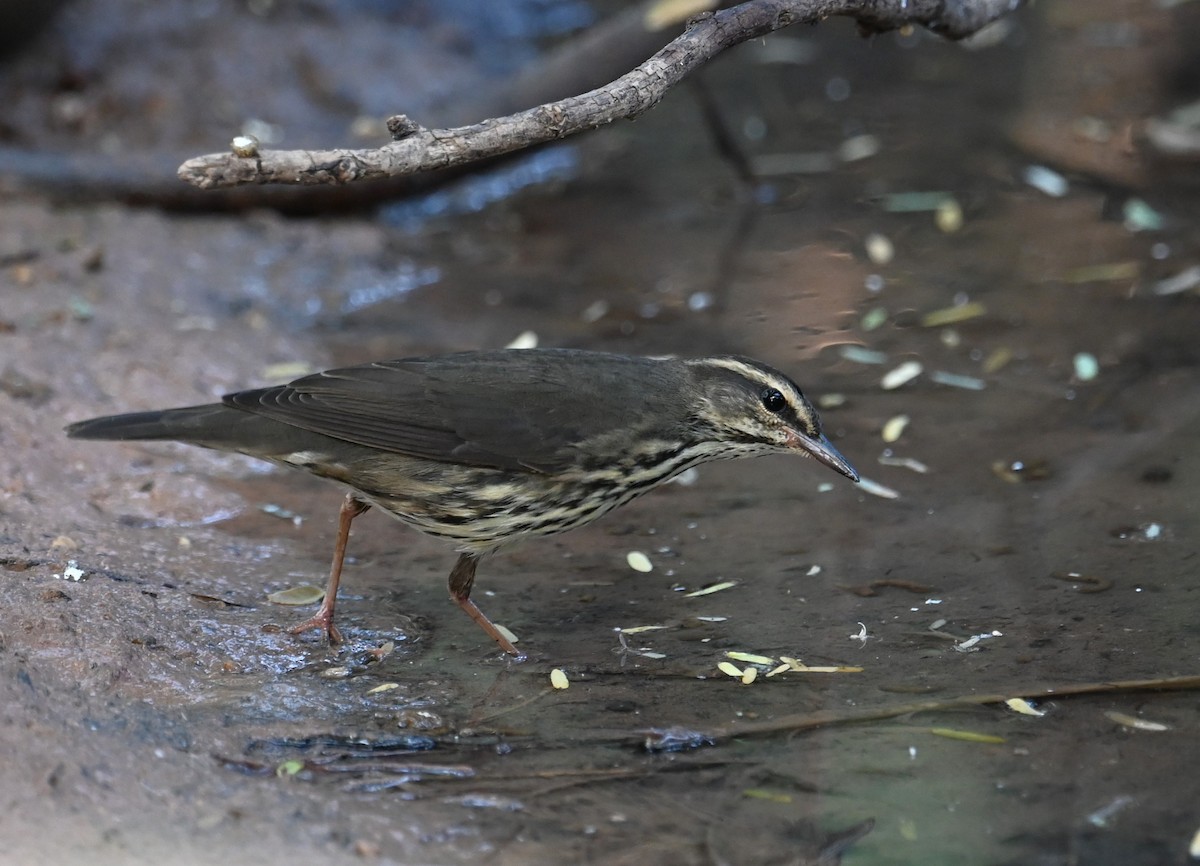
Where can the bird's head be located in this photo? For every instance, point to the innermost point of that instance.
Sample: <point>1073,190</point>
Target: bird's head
<point>751,408</point>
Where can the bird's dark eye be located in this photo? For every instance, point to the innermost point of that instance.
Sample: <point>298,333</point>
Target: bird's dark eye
<point>772,400</point>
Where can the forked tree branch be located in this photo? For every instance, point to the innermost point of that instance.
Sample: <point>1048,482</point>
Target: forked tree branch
<point>417,149</point>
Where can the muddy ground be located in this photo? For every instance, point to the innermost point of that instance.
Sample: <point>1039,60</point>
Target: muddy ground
<point>155,711</point>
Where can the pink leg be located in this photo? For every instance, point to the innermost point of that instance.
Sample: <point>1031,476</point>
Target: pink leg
<point>352,506</point>
<point>462,577</point>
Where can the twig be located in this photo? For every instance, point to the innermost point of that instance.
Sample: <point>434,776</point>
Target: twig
<point>417,149</point>
<point>826,718</point>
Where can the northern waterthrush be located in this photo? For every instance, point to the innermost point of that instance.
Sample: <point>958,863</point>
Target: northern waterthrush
<point>488,448</point>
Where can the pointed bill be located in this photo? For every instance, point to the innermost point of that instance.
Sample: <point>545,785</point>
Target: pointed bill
<point>822,449</point>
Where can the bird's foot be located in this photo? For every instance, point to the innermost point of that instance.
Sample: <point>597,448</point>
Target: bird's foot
<point>323,621</point>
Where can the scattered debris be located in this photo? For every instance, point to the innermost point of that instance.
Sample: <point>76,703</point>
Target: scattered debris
<point>874,318</point>
<point>1128,721</point>
<point>524,340</point>
<point>957,380</point>
<point>858,147</point>
<point>914,202</point>
<point>969,645</point>
<point>1181,282</point>
<point>1104,814</point>
<point>968,736</point>
<point>1086,366</point>
<point>750,658</point>
<point>1018,471</point>
<point>72,572</point>
<point>879,249</point>
<point>281,512</point>
<point>901,375</point>
<point>1141,217</point>
<point>1083,582</point>
<point>894,428</point>
<point>638,561</point>
<point>1103,273</point>
<point>904,463</point>
<point>949,216</point>
<point>1046,180</point>
<point>953,315</point>
<point>709,590</point>
<point>861,354</point>
<point>512,638</point>
<point>1024,707</point>
<point>1153,531</point>
<point>997,360</point>
<point>303,594</point>
<point>877,489</point>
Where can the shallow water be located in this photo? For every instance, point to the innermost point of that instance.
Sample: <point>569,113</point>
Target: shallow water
<point>158,703</point>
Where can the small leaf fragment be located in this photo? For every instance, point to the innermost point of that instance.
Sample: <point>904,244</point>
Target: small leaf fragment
<point>769,796</point>
<point>1024,707</point>
<point>1134,722</point>
<point>901,375</point>
<point>638,629</point>
<point>894,428</point>
<point>512,638</point>
<point>304,593</point>
<point>638,561</point>
<point>953,315</point>
<point>709,590</point>
<point>289,768</point>
<point>750,658</point>
<point>968,736</point>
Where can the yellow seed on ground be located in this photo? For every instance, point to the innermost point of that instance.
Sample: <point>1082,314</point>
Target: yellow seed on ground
<point>638,629</point>
<point>558,679</point>
<point>879,249</point>
<point>1134,722</point>
<point>1022,706</point>
<point>997,360</point>
<point>949,216</point>
<point>730,669</point>
<point>512,638</point>
<point>638,561</point>
<point>953,315</point>
<point>906,372</point>
<point>709,590</point>
<point>749,675</point>
<point>302,594</point>
<point>524,340</point>
<point>894,428</point>
<point>866,485</point>
<point>968,736</point>
<point>750,658</point>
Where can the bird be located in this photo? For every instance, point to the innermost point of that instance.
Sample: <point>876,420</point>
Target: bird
<point>487,448</point>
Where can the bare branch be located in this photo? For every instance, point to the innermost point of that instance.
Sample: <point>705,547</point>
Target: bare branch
<point>417,149</point>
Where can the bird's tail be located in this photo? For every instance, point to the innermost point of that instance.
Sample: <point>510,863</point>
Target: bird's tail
<point>198,424</point>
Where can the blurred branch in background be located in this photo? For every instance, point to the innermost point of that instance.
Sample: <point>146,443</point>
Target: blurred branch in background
<point>415,149</point>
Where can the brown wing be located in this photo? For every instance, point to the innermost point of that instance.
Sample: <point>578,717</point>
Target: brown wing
<point>519,409</point>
